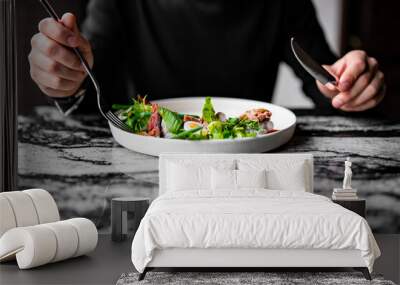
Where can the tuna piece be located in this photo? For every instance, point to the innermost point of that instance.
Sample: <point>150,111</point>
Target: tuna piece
<point>187,118</point>
<point>259,115</point>
<point>154,125</point>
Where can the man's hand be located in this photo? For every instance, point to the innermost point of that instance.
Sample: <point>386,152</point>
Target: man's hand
<point>55,68</point>
<point>361,85</point>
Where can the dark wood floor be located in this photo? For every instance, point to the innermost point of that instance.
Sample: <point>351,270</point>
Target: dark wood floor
<point>103,266</point>
<point>389,262</point>
<point>110,260</point>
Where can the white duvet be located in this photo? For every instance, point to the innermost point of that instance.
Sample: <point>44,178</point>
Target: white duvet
<point>250,219</point>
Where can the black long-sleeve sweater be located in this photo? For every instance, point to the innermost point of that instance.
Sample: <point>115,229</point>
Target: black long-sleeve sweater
<point>174,48</point>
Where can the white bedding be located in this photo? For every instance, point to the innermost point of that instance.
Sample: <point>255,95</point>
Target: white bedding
<point>250,219</point>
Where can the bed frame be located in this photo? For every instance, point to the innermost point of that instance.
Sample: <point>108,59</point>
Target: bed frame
<point>242,259</point>
<point>246,259</point>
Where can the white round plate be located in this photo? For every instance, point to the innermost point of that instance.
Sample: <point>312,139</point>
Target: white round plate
<point>284,121</point>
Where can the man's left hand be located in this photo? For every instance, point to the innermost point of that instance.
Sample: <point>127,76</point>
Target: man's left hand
<point>361,85</point>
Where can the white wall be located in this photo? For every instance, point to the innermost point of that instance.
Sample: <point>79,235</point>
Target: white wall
<point>288,89</point>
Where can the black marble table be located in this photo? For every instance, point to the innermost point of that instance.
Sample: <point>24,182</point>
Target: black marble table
<point>77,160</point>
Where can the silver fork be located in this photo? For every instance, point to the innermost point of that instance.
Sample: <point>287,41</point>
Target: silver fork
<point>104,107</point>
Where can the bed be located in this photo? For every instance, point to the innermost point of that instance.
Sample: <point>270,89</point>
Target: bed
<point>247,211</point>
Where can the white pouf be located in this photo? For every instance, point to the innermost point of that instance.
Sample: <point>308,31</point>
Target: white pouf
<point>40,244</point>
<point>23,208</point>
<point>67,240</point>
<point>46,207</point>
<point>7,218</point>
<point>32,246</point>
<point>30,230</point>
<point>87,234</point>
<point>26,208</point>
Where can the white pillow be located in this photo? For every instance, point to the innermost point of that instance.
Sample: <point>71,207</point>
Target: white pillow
<point>251,178</point>
<point>225,179</point>
<point>285,174</point>
<point>185,175</point>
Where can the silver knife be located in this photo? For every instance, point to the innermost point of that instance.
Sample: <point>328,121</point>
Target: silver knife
<point>311,66</point>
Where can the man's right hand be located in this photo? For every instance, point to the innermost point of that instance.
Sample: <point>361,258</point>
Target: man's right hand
<point>53,66</point>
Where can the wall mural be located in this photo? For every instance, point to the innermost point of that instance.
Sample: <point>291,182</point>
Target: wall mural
<point>76,159</point>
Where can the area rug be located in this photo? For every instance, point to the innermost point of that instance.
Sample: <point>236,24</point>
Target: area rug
<point>244,278</point>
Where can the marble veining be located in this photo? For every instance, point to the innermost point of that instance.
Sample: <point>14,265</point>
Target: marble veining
<point>77,160</point>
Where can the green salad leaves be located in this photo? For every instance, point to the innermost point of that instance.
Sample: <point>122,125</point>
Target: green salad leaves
<point>135,116</point>
<point>172,120</point>
<point>208,111</point>
<point>233,128</point>
<point>210,126</point>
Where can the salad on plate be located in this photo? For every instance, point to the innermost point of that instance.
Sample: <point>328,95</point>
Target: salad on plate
<point>150,119</point>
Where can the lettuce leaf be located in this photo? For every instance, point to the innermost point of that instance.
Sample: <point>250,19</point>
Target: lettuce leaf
<point>250,125</point>
<point>172,120</point>
<point>208,111</point>
<point>216,130</point>
<point>136,116</point>
<point>233,128</point>
<point>138,121</point>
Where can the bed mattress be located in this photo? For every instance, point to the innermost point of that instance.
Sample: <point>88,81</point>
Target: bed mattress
<point>250,219</point>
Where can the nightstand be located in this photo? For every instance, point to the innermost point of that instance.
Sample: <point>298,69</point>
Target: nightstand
<point>119,215</point>
<point>357,206</point>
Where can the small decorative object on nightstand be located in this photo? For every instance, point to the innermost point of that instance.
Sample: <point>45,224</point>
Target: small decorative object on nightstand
<point>119,215</point>
<point>346,193</point>
<point>347,196</point>
<point>357,206</point>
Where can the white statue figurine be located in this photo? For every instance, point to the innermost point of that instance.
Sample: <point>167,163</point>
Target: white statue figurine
<point>347,174</point>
